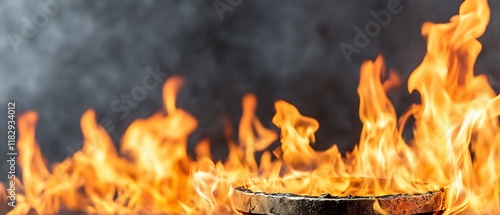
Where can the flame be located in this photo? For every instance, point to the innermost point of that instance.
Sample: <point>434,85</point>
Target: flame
<point>458,112</point>
<point>455,145</point>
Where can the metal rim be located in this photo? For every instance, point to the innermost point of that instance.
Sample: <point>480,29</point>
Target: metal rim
<point>248,202</point>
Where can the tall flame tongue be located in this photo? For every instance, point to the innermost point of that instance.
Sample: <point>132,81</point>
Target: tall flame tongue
<point>215,182</point>
<point>456,145</point>
<point>457,109</point>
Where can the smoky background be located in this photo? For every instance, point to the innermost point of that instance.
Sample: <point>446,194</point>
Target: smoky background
<point>89,54</point>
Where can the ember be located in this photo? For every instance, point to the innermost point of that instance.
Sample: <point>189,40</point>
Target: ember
<point>434,172</point>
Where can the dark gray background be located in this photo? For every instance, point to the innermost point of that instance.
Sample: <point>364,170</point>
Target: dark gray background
<point>92,52</point>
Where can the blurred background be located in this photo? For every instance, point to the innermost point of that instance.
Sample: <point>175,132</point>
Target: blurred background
<point>60,58</point>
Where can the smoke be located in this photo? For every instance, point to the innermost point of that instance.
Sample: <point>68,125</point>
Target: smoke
<point>89,53</point>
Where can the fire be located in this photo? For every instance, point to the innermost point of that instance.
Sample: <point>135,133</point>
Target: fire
<point>458,111</point>
<point>456,146</point>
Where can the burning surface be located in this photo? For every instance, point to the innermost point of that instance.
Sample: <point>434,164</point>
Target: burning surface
<point>248,202</point>
<point>152,173</point>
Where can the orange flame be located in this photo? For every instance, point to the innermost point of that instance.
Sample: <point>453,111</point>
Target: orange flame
<point>456,145</point>
<point>457,110</point>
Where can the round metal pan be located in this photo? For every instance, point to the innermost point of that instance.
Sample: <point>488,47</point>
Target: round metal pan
<point>248,202</point>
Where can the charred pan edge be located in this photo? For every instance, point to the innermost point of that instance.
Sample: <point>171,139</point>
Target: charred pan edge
<point>249,202</point>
